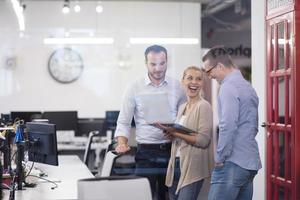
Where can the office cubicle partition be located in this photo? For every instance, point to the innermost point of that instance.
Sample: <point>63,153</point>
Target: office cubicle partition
<point>64,120</point>
<point>27,116</point>
<point>86,125</point>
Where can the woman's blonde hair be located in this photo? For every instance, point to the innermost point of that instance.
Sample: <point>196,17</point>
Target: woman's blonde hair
<point>194,68</point>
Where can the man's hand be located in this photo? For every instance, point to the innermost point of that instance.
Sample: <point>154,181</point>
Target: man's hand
<point>122,146</point>
<point>219,164</point>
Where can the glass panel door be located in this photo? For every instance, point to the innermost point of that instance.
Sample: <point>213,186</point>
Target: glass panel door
<point>279,129</point>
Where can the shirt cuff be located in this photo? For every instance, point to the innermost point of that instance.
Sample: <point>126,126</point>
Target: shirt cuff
<point>120,132</point>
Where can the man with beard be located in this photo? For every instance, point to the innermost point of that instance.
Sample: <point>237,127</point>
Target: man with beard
<point>153,148</point>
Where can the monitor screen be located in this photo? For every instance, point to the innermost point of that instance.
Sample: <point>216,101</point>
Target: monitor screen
<point>43,143</point>
<point>111,118</point>
<point>27,116</point>
<point>86,125</point>
<point>5,118</point>
<point>64,120</point>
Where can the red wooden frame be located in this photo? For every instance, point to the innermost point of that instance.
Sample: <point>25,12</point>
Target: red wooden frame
<point>296,104</point>
<point>289,15</point>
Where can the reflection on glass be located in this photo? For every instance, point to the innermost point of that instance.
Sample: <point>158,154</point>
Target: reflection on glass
<point>281,99</point>
<point>281,45</point>
<point>290,101</point>
<point>273,145</point>
<point>289,154</point>
<point>273,99</point>
<point>281,154</point>
<point>290,46</point>
<point>281,193</point>
<point>272,49</point>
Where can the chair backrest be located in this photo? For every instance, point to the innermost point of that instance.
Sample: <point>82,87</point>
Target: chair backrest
<point>108,162</point>
<point>88,146</point>
<point>114,187</point>
<point>115,164</point>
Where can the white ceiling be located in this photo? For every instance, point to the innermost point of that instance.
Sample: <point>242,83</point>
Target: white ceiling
<point>200,1</point>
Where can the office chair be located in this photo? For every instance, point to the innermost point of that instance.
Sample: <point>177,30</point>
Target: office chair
<point>88,149</point>
<point>115,164</point>
<point>114,187</point>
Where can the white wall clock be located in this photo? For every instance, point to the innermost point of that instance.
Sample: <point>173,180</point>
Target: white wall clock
<point>65,65</point>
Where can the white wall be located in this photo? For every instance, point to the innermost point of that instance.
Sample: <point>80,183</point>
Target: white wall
<point>259,83</point>
<point>29,86</point>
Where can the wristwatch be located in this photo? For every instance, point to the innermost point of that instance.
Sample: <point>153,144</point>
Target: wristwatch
<point>65,65</point>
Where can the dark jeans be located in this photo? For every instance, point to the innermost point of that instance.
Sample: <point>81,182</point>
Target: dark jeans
<point>188,192</point>
<point>231,182</point>
<point>152,163</point>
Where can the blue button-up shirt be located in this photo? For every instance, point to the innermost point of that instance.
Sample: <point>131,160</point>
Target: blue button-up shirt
<point>133,105</point>
<point>238,122</point>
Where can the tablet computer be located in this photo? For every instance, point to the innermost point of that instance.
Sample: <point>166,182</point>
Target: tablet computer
<point>179,128</point>
<point>157,108</point>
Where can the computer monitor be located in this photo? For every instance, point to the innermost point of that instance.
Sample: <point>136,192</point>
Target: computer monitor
<point>86,125</point>
<point>27,116</point>
<point>111,118</point>
<point>43,143</point>
<point>64,120</point>
<point>5,118</point>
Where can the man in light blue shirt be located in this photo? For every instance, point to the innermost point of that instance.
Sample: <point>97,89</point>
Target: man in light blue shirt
<point>237,156</point>
<point>153,149</point>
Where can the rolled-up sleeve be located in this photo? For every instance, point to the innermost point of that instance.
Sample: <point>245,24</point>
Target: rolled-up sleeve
<point>126,114</point>
<point>203,138</point>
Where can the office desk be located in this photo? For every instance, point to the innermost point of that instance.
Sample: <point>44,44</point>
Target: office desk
<point>79,143</point>
<point>70,169</point>
<point>78,147</point>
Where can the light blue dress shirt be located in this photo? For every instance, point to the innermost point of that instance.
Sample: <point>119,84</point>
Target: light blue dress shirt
<point>238,122</point>
<point>133,105</point>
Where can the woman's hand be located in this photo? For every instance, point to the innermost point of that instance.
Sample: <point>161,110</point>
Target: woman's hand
<point>168,131</point>
<point>168,135</point>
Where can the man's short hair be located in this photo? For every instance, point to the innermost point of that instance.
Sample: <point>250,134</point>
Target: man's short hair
<point>218,54</point>
<point>156,49</point>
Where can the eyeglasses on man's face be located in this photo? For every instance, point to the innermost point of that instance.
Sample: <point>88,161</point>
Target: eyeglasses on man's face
<point>209,70</point>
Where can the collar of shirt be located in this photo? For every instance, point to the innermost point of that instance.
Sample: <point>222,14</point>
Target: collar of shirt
<point>149,82</point>
<point>234,73</point>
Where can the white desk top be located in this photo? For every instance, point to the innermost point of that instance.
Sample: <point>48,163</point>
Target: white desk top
<point>79,143</point>
<point>70,170</point>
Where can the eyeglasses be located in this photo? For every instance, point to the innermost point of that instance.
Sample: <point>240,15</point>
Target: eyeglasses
<point>208,71</point>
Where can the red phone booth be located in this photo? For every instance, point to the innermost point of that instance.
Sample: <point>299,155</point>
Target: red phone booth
<point>283,100</point>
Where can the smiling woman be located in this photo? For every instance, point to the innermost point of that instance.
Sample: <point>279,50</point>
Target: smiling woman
<point>192,81</point>
<point>195,148</point>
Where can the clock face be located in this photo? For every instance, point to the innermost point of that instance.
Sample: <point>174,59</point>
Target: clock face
<point>65,65</point>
